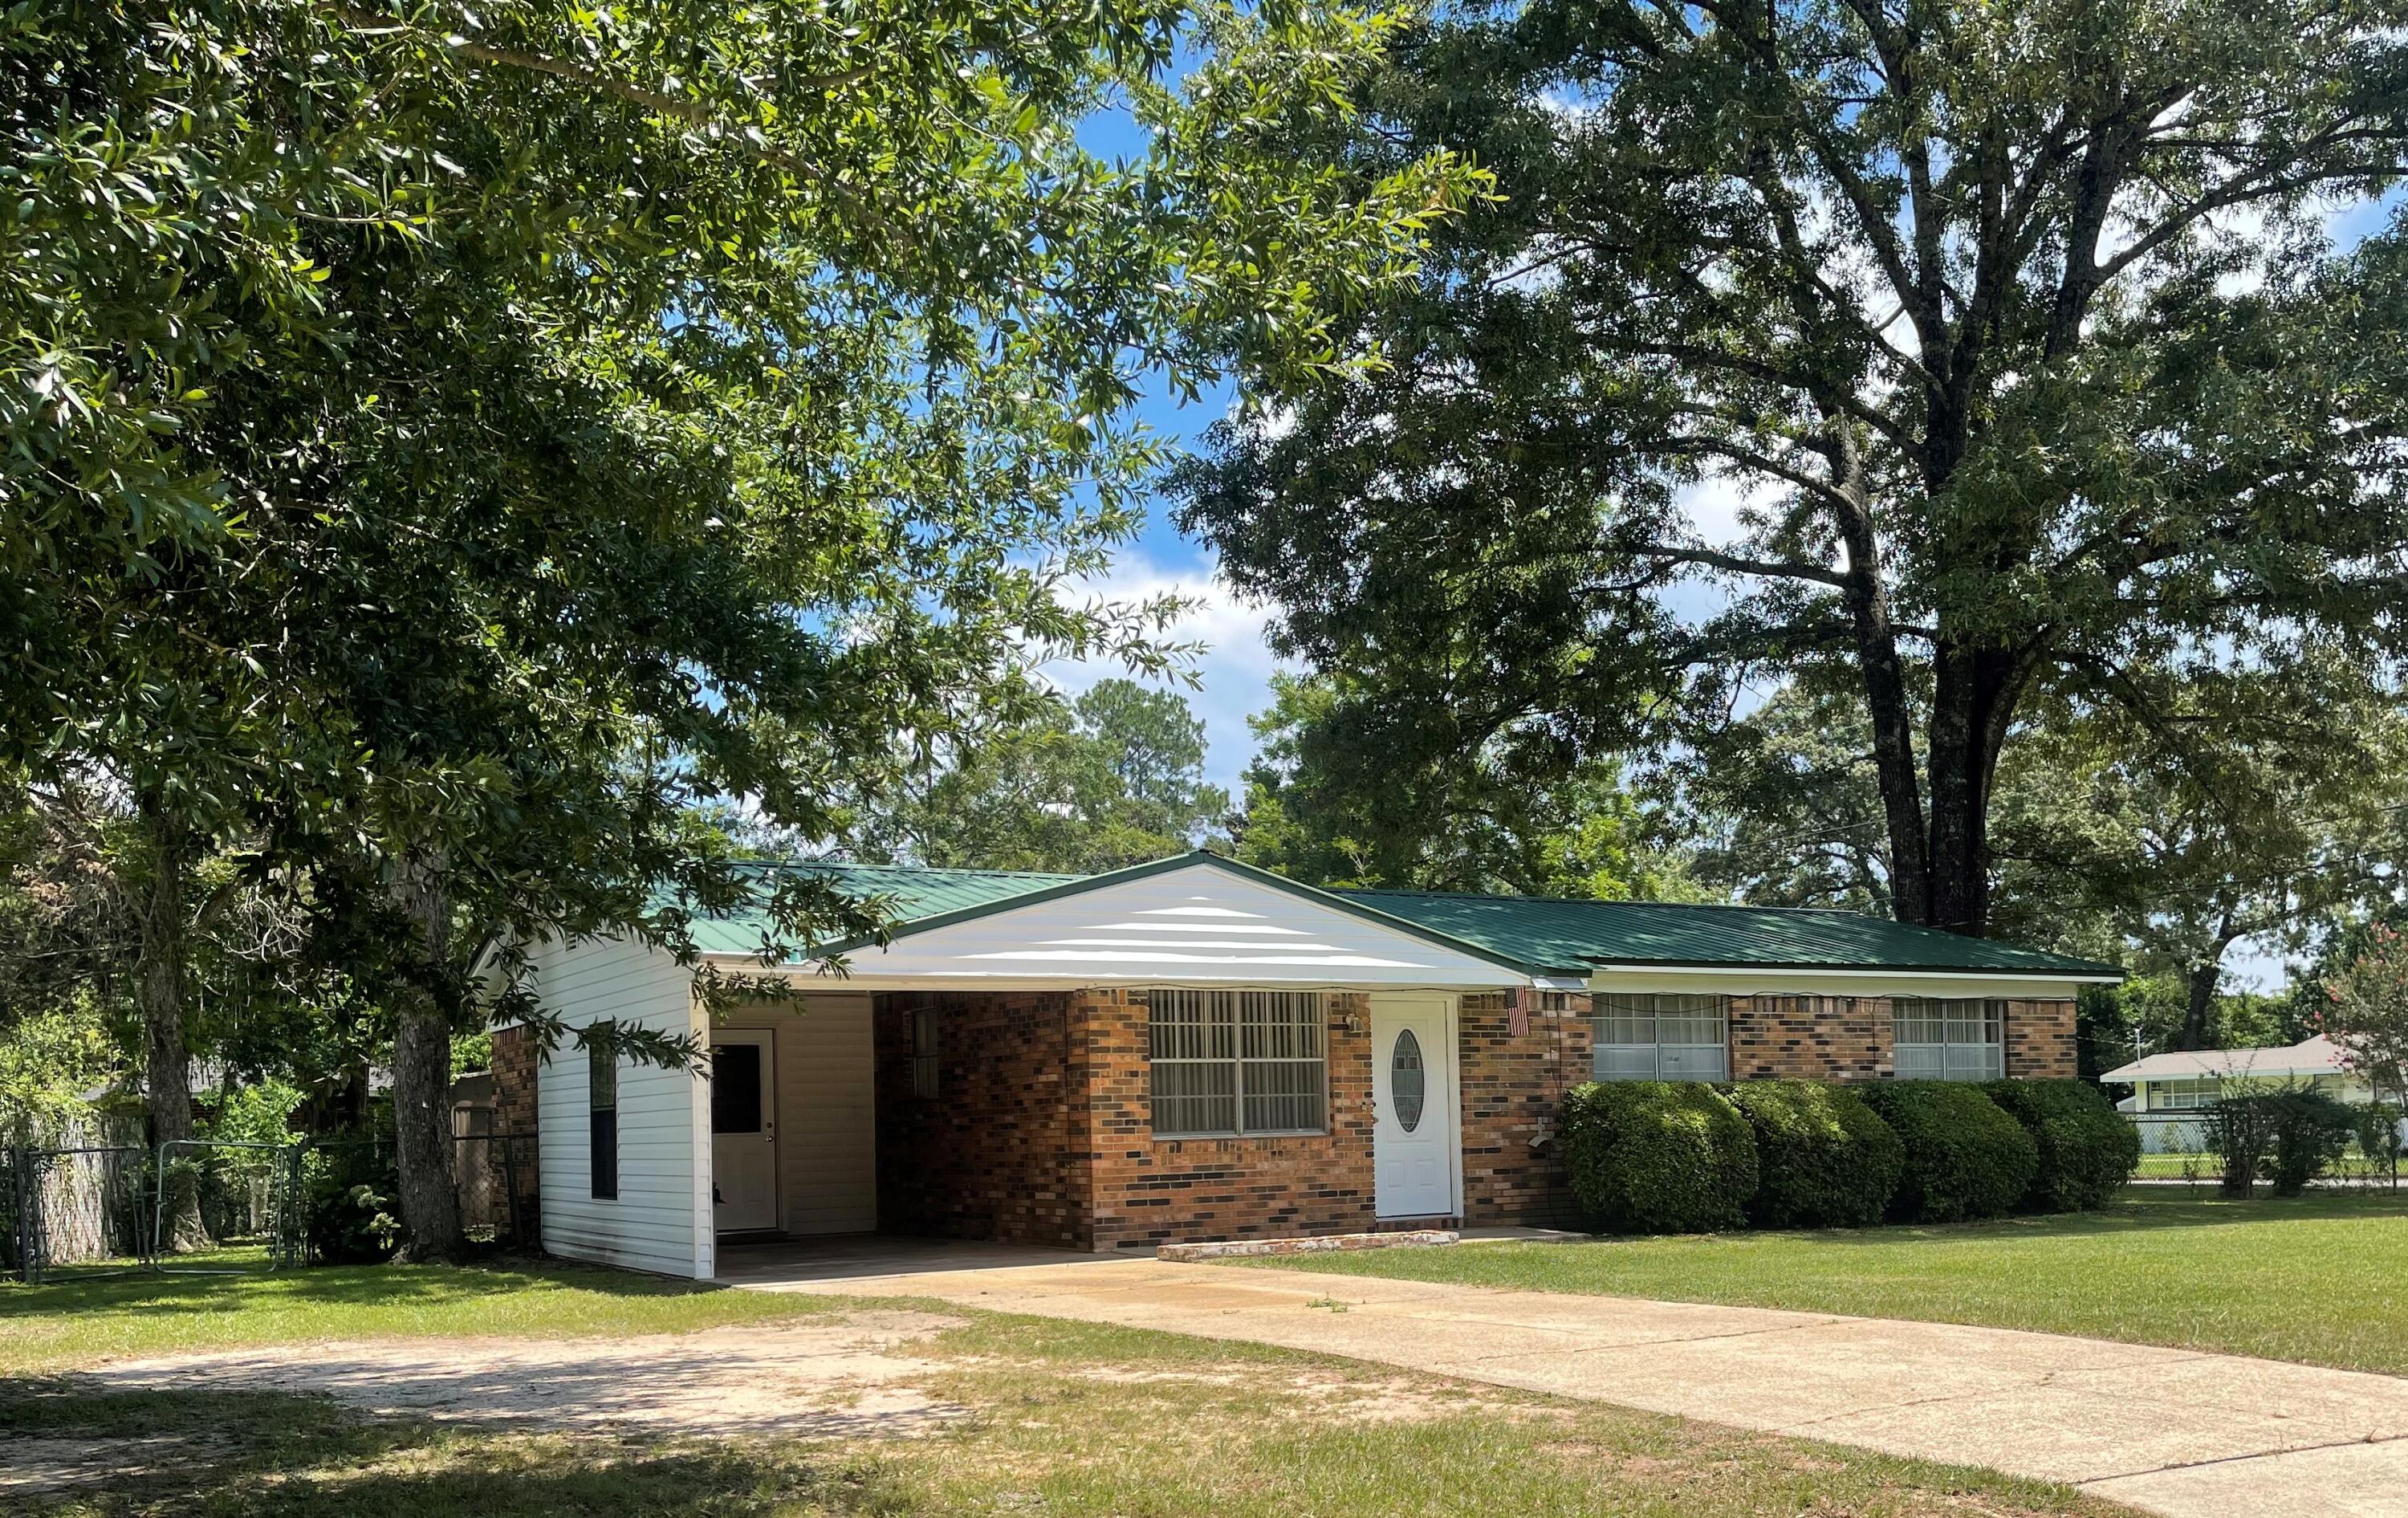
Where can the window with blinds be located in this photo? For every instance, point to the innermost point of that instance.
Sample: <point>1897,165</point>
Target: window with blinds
<point>1661,1037</point>
<point>1237,1062</point>
<point>1948,1038</point>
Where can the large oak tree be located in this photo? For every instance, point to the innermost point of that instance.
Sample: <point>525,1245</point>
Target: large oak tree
<point>447,448</point>
<point>2013,329</point>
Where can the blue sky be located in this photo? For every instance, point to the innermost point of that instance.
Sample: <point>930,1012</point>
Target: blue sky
<point>1234,671</point>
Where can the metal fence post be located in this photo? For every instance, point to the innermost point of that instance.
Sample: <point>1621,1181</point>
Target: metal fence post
<point>19,1157</point>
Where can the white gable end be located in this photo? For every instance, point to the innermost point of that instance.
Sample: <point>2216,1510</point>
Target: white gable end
<point>1198,924</point>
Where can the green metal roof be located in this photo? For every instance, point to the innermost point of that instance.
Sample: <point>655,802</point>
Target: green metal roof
<point>1540,934</point>
<point>914,895</point>
<point>1550,934</point>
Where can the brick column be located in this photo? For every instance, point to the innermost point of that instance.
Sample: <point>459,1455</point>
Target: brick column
<point>514,1116</point>
<point>2040,1039</point>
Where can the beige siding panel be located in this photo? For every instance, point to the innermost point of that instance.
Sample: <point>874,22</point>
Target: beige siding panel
<point>827,1159</point>
<point>660,1221</point>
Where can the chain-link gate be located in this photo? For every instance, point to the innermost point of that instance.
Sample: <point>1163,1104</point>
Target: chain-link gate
<point>231,1195</point>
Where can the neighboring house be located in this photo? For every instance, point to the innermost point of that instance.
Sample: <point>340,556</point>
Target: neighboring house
<point>2170,1091</point>
<point>1194,1049</point>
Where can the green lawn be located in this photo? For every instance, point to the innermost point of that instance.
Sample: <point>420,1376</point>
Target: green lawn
<point>2323,1279</point>
<point>1067,1421</point>
<point>73,1321</point>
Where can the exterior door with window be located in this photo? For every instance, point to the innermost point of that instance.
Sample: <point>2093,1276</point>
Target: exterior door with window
<point>1412,1091</point>
<point>743,1130</point>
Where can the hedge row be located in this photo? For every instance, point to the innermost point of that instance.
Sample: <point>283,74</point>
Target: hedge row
<point>1658,1156</point>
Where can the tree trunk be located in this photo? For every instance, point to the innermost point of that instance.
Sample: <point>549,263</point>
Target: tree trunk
<point>1885,701</point>
<point>422,1070</point>
<point>157,901</point>
<point>2199,1003</point>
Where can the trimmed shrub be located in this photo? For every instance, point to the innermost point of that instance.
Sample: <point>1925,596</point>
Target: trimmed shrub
<point>2088,1150</point>
<point>1822,1159</point>
<point>1965,1157</point>
<point>1658,1156</point>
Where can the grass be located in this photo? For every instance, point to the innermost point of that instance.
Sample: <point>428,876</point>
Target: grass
<point>1066,1419</point>
<point>2322,1279</point>
<point>72,1321</point>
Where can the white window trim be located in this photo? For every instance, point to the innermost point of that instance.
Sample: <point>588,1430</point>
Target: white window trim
<point>1320,1024</point>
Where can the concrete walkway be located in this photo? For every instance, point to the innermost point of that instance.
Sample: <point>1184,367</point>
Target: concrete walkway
<point>2171,1431</point>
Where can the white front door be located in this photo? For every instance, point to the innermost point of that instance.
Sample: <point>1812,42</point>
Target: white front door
<point>743,1130</point>
<point>1412,1091</point>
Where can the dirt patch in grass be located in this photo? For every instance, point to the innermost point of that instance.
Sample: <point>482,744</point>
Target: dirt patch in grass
<point>1331,1395</point>
<point>840,1377</point>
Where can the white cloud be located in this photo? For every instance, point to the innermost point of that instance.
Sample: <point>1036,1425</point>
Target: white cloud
<point>1233,671</point>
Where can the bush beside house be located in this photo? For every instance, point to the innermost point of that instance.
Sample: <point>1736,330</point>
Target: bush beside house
<point>1823,1159</point>
<point>1965,1157</point>
<point>1659,1156</point>
<point>1653,1157</point>
<point>2087,1150</point>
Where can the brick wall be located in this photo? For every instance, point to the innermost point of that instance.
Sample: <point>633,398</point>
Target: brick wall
<point>1513,1085</point>
<point>1149,1190</point>
<point>514,1059</point>
<point>515,1157</point>
<point>990,1155</point>
<point>2040,1039</point>
<point>1810,1037</point>
<point>1848,1037</point>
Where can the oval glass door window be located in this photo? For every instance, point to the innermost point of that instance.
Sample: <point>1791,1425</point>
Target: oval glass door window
<point>1405,1080</point>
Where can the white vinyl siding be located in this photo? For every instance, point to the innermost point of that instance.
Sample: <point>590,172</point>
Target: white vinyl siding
<point>1660,1037</point>
<point>1948,1038</point>
<point>1237,1062</point>
<point>660,1220</point>
<point>826,1116</point>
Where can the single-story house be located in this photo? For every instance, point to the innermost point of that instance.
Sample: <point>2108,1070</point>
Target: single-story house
<point>2169,1091</point>
<point>1194,1049</point>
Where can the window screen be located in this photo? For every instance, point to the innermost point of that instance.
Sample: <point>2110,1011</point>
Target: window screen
<point>1232,1062</point>
<point>1948,1038</point>
<point>1661,1037</point>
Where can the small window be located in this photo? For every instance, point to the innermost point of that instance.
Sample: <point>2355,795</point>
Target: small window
<point>1948,1038</point>
<point>1408,1087</point>
<point>2182,1096</point>
<point>735,1088</point>
<point>1661,1037</point>
<point>924,1052</point>
<point>602,1115</point>
<point>1236,1062</point>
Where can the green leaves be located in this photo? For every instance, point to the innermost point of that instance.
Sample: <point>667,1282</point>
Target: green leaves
<point>1946,359</point>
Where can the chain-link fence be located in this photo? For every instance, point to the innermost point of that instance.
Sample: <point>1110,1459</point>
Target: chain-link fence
<point>496,1177</point>
<point>207,1207</point>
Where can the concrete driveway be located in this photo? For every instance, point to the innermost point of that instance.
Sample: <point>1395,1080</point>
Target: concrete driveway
<point>2173,1431</point>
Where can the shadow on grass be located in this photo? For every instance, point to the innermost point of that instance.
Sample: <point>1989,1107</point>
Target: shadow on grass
<point>259,1455</point>
<point>145,1292</point>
